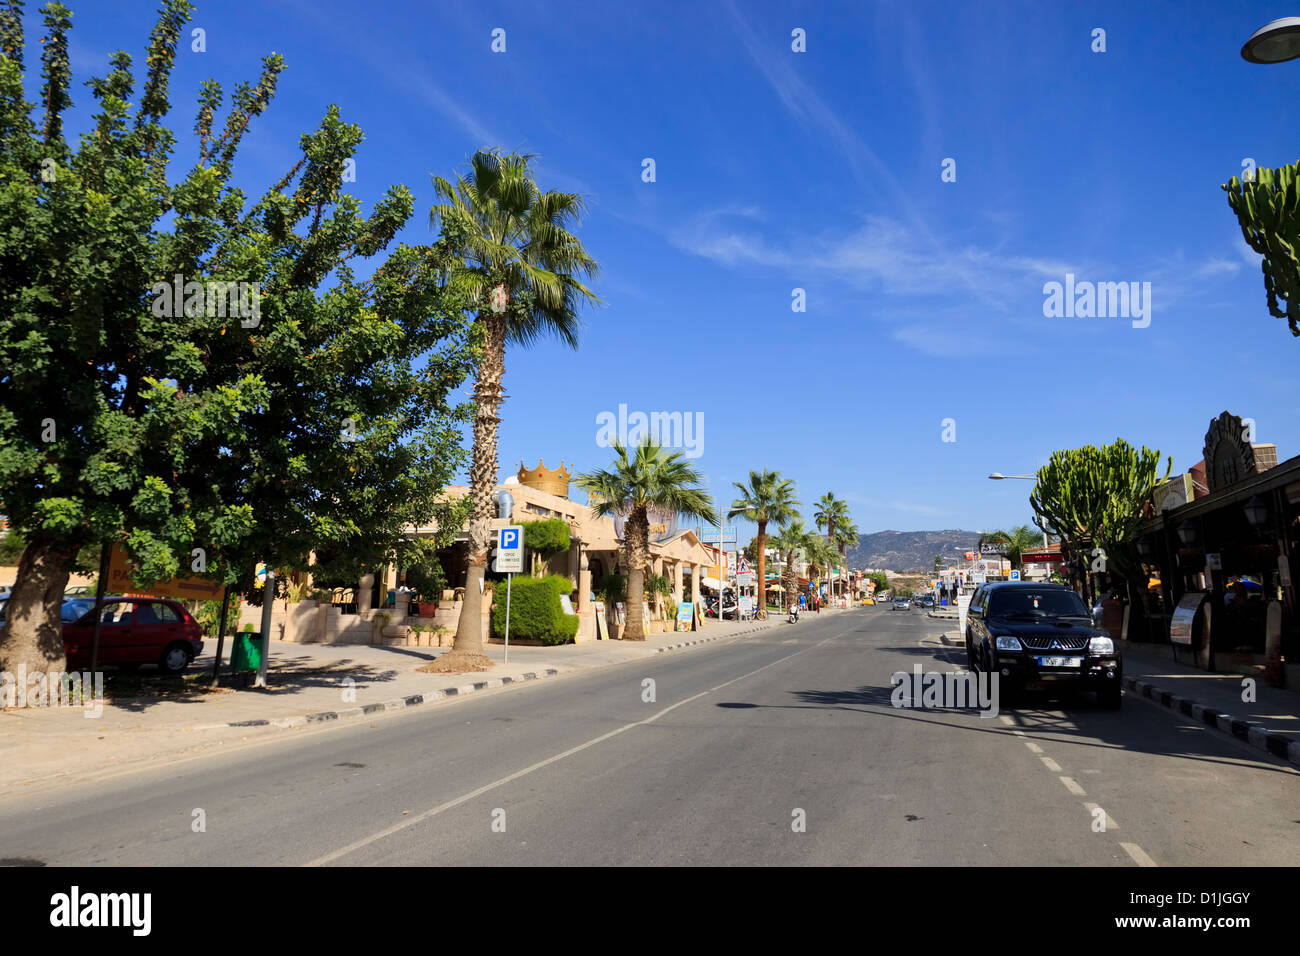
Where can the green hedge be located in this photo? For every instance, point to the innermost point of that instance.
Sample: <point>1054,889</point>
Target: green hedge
<point>535,612</point>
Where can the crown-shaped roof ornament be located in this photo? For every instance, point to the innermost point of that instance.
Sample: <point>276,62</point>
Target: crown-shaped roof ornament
<point>553,481</point>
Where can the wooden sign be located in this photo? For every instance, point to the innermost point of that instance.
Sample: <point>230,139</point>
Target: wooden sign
<point>178,588</point>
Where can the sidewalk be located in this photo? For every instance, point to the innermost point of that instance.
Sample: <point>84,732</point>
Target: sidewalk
<point>1271,722</point>
<point>309,685</point>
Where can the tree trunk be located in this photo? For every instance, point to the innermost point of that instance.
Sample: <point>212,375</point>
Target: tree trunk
<point>488,395</point>
<point>762,571</point>
<point>636,534</point>
<point>791,582</point>
<point>32,636</point>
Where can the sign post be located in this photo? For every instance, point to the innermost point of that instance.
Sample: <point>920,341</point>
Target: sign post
<point>510,561</point>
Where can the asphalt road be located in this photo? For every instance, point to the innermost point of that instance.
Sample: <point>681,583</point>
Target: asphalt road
<point>777,748</point>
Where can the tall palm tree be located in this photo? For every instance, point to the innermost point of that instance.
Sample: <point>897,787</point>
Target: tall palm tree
<point>791,542</point>
<point>648,478</point>
<point>525,270</point>
<point>766,499</point>
<point>846,536</point>
<point>819,552</point>
<point>831,513</point>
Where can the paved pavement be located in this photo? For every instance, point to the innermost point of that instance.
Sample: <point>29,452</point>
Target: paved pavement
<point>783,747</point>
<point>309,684</point>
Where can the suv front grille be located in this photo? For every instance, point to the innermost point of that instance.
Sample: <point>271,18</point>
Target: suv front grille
<point>1065,642</point>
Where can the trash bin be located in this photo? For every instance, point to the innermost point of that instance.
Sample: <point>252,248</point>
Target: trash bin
<point>246,654</point>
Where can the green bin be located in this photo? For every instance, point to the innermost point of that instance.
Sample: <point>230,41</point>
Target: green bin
<point>246,654</point>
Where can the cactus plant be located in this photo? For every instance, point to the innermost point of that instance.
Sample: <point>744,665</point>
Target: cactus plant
<point>1268,211</point>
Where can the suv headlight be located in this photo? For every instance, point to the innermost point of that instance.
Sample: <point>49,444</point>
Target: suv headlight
<point>1101,645</point>
<point>1005,642</point>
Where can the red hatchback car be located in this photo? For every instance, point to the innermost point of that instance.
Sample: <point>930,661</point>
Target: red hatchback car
<point>135,631</point>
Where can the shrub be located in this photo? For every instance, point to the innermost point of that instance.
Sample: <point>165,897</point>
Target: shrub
<point>545,539</point>
<point>535,612</point>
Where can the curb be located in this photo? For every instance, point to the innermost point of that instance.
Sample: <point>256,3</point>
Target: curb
<point>397,703</point>
<point>1277,745</point>
<point>415,700</point>
<point>721,637</point>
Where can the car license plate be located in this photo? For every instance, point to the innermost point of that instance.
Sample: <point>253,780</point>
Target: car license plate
<point>1059,661</point>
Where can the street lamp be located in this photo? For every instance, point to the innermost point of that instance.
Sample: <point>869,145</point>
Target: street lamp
<point>1274,42</point>
<point>998,476</point>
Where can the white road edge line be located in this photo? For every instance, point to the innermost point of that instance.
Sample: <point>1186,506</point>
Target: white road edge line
<point>1072,785</point>
<point>1138,854</point>
<point>450,804</point>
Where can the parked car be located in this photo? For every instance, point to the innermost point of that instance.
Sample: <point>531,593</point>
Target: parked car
<point>927,601</point>
<point>868,602</point>
<point>1038,635</point>
<point>135,631</point>
<point>72,609</point>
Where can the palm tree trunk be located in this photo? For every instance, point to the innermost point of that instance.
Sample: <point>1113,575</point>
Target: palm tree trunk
<point>636,534</point>
<point>32,636</point>
<point>762,571</point>
<point>488,395</point>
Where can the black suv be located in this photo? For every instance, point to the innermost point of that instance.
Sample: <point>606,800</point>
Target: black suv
<point>1035,634</point>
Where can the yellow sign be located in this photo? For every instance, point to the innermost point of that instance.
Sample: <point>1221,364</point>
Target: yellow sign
<point>179,588</point>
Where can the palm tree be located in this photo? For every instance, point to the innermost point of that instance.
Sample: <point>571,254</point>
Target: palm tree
<point>524,270</point>
<point>818,552</point>
<point>767,498</point>
<point>1014,542</point>
<point>792,540</point>
<point>846,536</point>
<point>831,513</point>
<point>649,478</point>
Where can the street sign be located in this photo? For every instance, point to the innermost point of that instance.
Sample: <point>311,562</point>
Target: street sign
<point>510,550</point>
<point>1015,575</point>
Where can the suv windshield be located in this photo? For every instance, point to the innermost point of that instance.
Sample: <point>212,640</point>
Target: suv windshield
<point>1029,603</point>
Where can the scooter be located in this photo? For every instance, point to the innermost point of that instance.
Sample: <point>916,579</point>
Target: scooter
<point>794,613</point>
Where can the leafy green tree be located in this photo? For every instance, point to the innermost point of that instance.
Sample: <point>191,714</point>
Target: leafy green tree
<point>1268,212</point>
<point>271,405</point>
<point>647,478</point>
<point>545,539</point>
<point>523,270</point>
<point>765,499</point>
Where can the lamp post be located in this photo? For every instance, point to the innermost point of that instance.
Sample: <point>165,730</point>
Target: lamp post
<point>998,476</point>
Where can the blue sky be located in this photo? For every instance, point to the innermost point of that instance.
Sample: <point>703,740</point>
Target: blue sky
<point>820,170</point>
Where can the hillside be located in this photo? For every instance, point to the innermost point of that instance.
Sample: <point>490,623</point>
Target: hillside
<point>910,550</point>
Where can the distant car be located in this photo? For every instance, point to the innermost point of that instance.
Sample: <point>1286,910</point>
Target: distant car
<point>135,631</point>
<point>927,601</point>
<point>868,602</point>
<point>902,604</point>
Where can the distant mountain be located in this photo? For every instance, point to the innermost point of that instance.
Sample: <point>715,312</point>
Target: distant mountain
<point>910,550</point>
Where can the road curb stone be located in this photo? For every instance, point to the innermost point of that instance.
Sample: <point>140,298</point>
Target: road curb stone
<point>1277,745</point>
